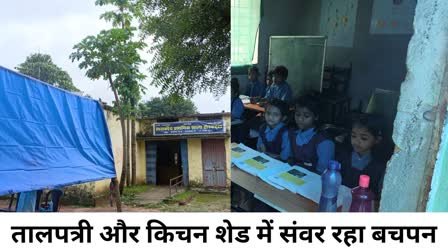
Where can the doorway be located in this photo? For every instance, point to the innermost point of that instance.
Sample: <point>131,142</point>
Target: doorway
<point>168,162</point>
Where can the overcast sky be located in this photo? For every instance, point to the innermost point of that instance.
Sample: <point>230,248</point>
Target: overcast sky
<point>53,27</point>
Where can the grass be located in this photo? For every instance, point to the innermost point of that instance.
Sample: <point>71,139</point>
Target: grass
<point>195,202</point>
<point>184,196</point>
<point>191,200</point>
<point>137,189</point>
<point>209,197</point>
<point>130,193</point>
<point>173,201</point>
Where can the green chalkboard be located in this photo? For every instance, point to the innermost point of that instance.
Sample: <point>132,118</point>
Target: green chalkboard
<point>304,57</point>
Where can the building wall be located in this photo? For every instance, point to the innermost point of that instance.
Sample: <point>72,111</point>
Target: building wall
<point>195,159</point>
<point>102,187</point>
<point>141,163</point>
<point>280,18</point>
<point>379,61</point>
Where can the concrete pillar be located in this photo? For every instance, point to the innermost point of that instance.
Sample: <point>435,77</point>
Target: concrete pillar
<point>407,172</point>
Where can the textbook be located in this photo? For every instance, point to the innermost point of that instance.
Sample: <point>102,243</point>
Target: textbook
<point>308,184</point>
<point>256,163</point>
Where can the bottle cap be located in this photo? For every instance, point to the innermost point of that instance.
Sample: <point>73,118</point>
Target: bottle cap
<point>364,181</point>
<point>334,165</point>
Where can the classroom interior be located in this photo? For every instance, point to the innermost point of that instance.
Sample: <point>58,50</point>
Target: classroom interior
<point>364,60</point>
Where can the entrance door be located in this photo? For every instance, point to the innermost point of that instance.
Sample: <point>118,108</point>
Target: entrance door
<point>151,158</point>
<point>214,162</point>
<point>169,163</point>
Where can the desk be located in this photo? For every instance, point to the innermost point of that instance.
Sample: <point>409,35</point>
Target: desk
<point>258,108</point>
<point>254,107</point>
<point>284,199</point>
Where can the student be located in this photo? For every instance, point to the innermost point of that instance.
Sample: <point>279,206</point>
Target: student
<point>280,89</point>
<point>310,148</point>
<point>236,105</point>
<point>255,87</point>
<point>362,158</point>
<point>269,80</point>
<point>273,136</point>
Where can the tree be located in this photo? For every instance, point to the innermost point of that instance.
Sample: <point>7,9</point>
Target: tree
<point>41,67</point>
<point>113,56</point>
<point>191,44</point>
<point>122,17</point>
<point>167,106</point>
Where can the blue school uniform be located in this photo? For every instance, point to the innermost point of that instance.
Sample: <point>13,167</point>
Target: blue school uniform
<point>256,89</point>
<point>281,91</point>
<point>275,140</point>
<point>353,165</point>
<point>311,149</point>
<point>237,108</point>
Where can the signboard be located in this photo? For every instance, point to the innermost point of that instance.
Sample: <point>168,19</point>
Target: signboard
<point>189,128</point>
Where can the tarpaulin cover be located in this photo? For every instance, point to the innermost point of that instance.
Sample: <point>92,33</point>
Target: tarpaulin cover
<point>49,137</point>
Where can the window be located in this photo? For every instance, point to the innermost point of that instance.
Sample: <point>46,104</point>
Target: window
<point>245,16</point>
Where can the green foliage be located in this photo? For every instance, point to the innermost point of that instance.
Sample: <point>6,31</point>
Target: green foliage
<point>167,106</point>
<point>121,17</point>
<point>191,44</point>
<point>110,55</point>
<point>129,195</point>
<point>184,196</point>
<point>136,189</point>
<point>82,195</point>
<point>41,67</point>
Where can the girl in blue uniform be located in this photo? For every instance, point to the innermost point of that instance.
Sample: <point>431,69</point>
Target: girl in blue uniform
<point>273,135</point>
<point>362,158</point>
<point>310,148</point>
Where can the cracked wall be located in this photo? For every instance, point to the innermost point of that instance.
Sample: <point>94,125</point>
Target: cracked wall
<point>426,62</point>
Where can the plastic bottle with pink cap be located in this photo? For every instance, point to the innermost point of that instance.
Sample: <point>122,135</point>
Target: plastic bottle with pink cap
<point>362,197</point>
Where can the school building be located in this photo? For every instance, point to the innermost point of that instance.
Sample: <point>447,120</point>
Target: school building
<point>196,147</point>
<point>193,148</point>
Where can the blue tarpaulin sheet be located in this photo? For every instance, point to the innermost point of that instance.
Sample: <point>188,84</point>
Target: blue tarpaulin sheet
<point>49,137</point>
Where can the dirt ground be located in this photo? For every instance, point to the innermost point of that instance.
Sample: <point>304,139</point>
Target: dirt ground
<point>190,200</point>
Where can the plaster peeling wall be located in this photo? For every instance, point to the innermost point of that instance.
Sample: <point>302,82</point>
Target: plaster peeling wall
<point>426,60</point>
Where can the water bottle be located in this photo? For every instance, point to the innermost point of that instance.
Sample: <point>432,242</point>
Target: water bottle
<point>362,197</point>
<point>331,180</point>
